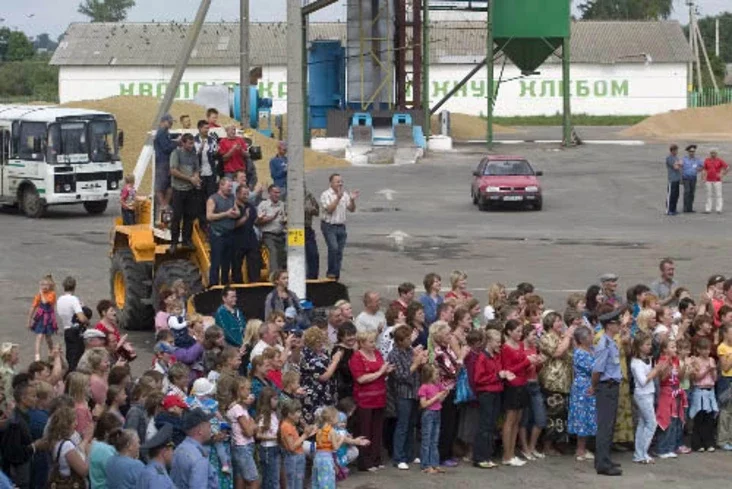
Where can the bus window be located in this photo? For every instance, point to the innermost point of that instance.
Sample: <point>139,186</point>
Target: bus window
<point>103,141</point>
<point>32,136</point>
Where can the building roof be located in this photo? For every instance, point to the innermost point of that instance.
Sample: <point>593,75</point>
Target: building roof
<point>158,44</point>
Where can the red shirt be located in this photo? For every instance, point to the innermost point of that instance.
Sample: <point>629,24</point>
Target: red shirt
<point>485,373</point>
<point>517,362</point>
<point>371,395</point>
<point>276,377</point>
<point>714,167</point>
<point>236,162</point>
<point>106,330</point>
<point>400,306</point>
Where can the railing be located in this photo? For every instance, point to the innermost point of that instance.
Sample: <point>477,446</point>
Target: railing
<point>709,97</point>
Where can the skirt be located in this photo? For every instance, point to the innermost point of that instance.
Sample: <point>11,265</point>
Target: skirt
<point>515,398</point>
<point>557,412</point>
<point>467,421</point>
<point>324,475</point>
<point>44,320</point>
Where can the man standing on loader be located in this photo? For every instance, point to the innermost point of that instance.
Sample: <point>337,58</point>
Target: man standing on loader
<point>186,183</point>
<point>164,147</point>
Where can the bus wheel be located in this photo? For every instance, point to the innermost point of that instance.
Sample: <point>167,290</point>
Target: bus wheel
<point>95,206</point>
<point>31,203</point>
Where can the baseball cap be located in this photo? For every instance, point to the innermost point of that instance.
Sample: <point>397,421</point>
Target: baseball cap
<point>160,439</point>
<point>202,387</point>
<point>172,400</point>
<point>194,417</point>
<point>290,313</point>
<point>163,347</point>
<point>6,348</point>
<point>609,277</point>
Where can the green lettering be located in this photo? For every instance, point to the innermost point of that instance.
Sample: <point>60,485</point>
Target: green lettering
<point>282,89</point>
<point>618,88</point>
<point>583,88</point>
<point>265,89</point>
<point>160,89</point>
<point>600,88</point>
<point>527,87</point>
<point>145,89</point>
<point>547,88</point>
<point>477,88</point>
<point>440,89</point>
<point>127,90</point>
<point>463,91</point>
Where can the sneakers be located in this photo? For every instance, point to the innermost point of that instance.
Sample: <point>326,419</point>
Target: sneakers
<point>402,466</point>
<point>528,456</point>
<point>226,469</point>
<point>701,450</point>
<point>538,455</point>
<point>373,469</point>
<point>670,455</point>
<point>485,465</point>
<point>514,462</point>
<point>711,449</point>
<point>587,456</point>
<point>416,461</point>
<point>727,447</point>
<point>683,450</point>
<point>449,463</point>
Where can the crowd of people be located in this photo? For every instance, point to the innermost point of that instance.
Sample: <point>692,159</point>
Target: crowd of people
<point>684,172</point>
<point>429,382</point>
<point>213,179</point>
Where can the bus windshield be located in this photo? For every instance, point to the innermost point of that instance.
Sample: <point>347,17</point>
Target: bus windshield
<point>103,141</point>
<point>67,143</point>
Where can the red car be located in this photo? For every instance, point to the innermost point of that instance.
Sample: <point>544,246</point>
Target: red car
<point>503,180</point>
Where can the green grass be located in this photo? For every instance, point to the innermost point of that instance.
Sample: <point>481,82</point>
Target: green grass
<point>577,120</point>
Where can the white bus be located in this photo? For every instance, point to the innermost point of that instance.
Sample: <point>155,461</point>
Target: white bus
<point>56,156</point>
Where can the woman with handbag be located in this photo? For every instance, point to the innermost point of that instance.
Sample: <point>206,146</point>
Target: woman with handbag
<point>69,452</point>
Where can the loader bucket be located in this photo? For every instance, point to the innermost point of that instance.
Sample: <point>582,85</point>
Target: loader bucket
<point>250,297</point>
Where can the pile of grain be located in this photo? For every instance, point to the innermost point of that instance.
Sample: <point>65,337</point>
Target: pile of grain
<point>688,125</point>
<point>134,115</point>
<point>468,127</point>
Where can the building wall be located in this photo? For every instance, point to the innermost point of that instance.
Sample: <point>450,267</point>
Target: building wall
<point>619,89</point>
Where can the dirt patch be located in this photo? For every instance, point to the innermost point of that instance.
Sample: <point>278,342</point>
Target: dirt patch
<point>466,127</point>
<point>134,114</point>
<point>699,124</point>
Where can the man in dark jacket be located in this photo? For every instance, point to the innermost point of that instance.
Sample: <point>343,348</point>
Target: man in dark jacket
<point>18,446</point>
<point>163,146</point>
<point>246,244</point>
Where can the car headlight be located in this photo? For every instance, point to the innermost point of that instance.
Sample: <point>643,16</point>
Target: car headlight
<point>67,187</point>
<point>112,184</point>
<point>532,188</point>
<point>491,189</point>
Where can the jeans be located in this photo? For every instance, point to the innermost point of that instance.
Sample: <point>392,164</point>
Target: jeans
<point>714,189</point>
<point>128,217</point>
<point>185,206</point>
<point>277,246</point>
<point>295,470</point>
<point>335,239</point>
<point>489,408</point>
<point>646,426</point>
<point>535,414</point>
<point>222,454</point>
<point>269,459</point>
<point>221,257</point>
<point>244,465</point>
<point>607,394</point>
<point>672,196</point>
<point>668,440</point>
<point>430,456</point>
<point>689,191</point>
<point>407,411</point>
<point>312,257</point>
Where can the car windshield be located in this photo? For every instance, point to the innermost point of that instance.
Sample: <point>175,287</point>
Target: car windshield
<point>508,167</point>
<point>103,141</point>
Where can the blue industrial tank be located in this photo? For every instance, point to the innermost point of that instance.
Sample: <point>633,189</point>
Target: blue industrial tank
<point>326,80</point>
<point>259,109</point>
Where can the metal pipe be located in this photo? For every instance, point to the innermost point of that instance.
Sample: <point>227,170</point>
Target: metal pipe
<point>489,69</point>
<point>426,124</point>
<point>416,54</point>
<point>400,43</point>
<point>295,149</point>
<point>566,99</point>
<point>313,7</point>
<point>244,81</point>
<point>459,85</point>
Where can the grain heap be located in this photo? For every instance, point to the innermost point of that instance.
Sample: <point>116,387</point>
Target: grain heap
<point>134,114</point>
<point>699,124</point>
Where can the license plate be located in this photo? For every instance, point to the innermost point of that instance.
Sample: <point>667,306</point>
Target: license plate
<point>513,198</point>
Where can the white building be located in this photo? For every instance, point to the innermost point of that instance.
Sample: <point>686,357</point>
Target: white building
<point>618,68</point>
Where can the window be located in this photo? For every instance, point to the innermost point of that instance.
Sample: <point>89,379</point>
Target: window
<point>4,146</point>
<point>31,140</point>
<point>103,138</point>
<point>508,167</point>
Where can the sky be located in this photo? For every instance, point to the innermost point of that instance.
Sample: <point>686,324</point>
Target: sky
<point>53,16</point>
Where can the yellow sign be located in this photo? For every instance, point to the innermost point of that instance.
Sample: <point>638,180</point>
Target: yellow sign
<point>296,237</point>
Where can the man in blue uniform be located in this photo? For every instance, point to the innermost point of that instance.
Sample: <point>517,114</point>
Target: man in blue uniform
<point>606,377</point>
<point>190,467</point>
<point>160,453</point>
<point>690,167</point>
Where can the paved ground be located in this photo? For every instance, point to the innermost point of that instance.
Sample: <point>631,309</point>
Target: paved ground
<point>603,211</point>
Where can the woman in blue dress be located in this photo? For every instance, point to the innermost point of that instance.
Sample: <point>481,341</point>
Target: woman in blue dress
<point>582,421</point>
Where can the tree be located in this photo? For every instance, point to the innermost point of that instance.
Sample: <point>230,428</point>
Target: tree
<point>626,9</point>
<point>706,27</point>
<point>14,45</point>
<point>106,10</point>
<point>43,43</point>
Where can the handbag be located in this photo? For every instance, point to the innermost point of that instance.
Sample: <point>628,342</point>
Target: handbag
<point>463,392</point>
<point>58,481</point>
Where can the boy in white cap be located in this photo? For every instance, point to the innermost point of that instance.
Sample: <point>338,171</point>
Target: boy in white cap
<point>201,397</point>
<point>715,168</point>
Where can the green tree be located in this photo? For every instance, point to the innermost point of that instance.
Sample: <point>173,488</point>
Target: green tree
<point>106,10</point>
<point>14,45</point>
<point>706,27</point>
<point>626,9</point>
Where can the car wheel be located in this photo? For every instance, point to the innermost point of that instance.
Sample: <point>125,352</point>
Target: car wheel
<point>474,196</point>
<point>31,203</point>
<point>483,204</point>
<point>538,205</point>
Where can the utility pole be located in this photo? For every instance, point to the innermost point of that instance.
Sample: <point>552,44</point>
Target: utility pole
<point>489,71</point>
<point>716,37</point>
<point>693,33</point>
<point>244,63</point>
<point>295,150</point>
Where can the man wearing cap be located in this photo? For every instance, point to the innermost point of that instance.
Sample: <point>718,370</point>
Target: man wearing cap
<point>190,467</point>
<point>160,453</point>
<point>673,168</point>
<point>606,377</point>
<point>715,169</point>
<point>609,284</point>
<point>278,168</point>
<point>164,147</point>
<point>690,167</point>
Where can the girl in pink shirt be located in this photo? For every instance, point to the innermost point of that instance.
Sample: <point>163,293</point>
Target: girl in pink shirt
<point>703,404</point>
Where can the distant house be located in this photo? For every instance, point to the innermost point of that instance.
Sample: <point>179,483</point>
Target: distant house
<point>728,76</point>
<point>618,68</point>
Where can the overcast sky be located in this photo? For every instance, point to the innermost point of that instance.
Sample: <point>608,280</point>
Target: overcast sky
<point>53,16</point>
